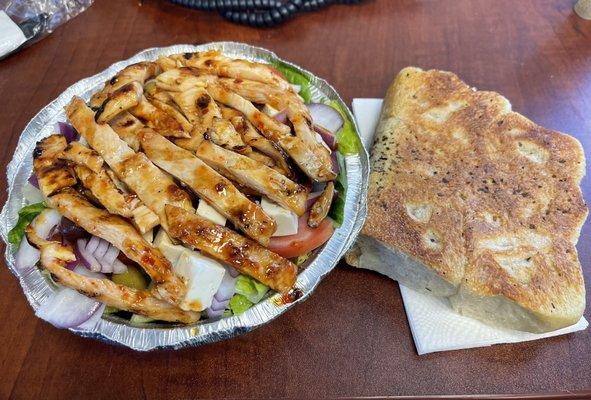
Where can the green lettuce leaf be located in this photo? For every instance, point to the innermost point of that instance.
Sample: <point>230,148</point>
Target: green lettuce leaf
<point>250,288</point>
<point>25,216</point>
<point>295,77</point>
<point>337,210</point>
<point>239,304</point>
<point>347,138</point>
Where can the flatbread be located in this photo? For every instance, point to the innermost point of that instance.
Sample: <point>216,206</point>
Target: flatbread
<point>474,202</point>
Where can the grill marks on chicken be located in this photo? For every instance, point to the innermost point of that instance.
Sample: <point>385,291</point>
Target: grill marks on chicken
<point>210,185</point>
<point>150,184</point>
<point>255,175</point>
<point>222,243</point>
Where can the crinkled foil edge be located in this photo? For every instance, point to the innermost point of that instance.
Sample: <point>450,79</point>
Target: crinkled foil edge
<point>36,288</point>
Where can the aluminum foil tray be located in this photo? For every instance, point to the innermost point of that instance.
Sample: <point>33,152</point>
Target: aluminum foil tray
<point>148,337</point>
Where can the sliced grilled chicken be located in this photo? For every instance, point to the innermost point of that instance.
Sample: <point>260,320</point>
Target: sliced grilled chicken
<point>253,138</point>
<point>200,109</point>
<point>139,72</point>
<point>122,99</point>
<point>122,235</point>
<point>54,257</point>
<point>183,79</point>
<point>144,219</point>
<point>167,63</point>
<point>53,174</point>
<point>152,91</point>
<point>297,112</point>
<point>255,175</point>
<point>159,120</point>
<point>263,159</point>
<point>209,185</point>
<point>82,155</point>
<point>127,127</point>
<point>222,133</point>
<point>213,62</point>
<point>148,182</point>
<point>222,243</point>
<point>176,114</point>
<point>321,206</point>
<point>303,154</point>
<point>105,191</point>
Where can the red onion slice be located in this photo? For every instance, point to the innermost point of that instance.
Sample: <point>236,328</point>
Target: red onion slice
<point>326,116</point>
<point>335,163</point>
<point>33,180</point>
<point>327,137</point>
<point>214,313</point>
<point>70,231</point>
<point>100,251</point>
<point>26,256</point>
<point>67,308</point>
<point>296,88</point>
<point>226,288</point>
<point>68,131</point>
<point>86,257</point>
<point>92,321</point>
<point>45,222</point>
<point>92,244</point>
<point>81,270</point>
<point>281,116</point>
<point>119,267</point>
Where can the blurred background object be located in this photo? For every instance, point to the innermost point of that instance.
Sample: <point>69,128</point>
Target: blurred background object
<point>260,13</point>
<point>583,9</point>
<point>23,22</point>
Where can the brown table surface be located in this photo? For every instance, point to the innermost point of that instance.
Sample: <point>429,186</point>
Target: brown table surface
<point>351,338</point>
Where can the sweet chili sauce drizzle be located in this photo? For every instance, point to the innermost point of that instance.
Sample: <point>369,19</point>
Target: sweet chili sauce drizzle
<point>289,297</point>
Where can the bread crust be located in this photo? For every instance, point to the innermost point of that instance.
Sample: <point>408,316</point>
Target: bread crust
<point>480,195</point>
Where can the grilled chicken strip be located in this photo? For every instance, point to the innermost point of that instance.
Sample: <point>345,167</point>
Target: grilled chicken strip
<point>255,175</point>
<point>321,206</point>
<point>122,99</point>
<point>101,186</point>
<point>53,174</point>
<point>55,255</point>
<point>297,112</point>
<point>167,63</point>
<point>122,235</point>
<point>253,138</point>
<point>201,111</point>
<point>211,186</point>
<point>183,79</point>
<point>152,186</point>
<point>176,114</point>
<point>127,127</point>
<point>302,153</point>
<point>139,72</point>
<point>80,154</point>
<point>225,245</point>
<point>158,119</point>
<point>213,62</point>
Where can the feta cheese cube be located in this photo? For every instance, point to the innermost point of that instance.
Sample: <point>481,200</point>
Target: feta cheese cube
<point>203,277</point>
<point>171,251</point>
<point>210,213</point>
<point>286,220</point>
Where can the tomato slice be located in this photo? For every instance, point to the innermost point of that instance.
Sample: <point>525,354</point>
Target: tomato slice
<point>306,240</point>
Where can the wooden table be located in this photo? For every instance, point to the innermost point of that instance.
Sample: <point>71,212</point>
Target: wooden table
<point>351,338</point>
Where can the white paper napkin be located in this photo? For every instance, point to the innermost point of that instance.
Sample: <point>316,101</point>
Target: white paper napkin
<point>11,35</point>
<point>433,323</point>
